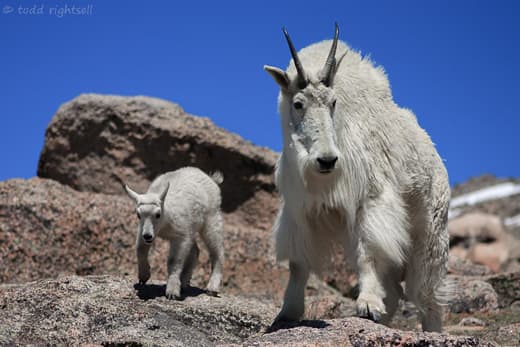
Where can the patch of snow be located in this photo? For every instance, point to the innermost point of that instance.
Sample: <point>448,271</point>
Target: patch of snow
<point>513,221</point>
<point>490,193</point>
<point>454,213</point>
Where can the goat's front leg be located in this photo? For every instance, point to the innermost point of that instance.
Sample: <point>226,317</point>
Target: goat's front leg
<point>143,266</point>
<point>179,252</point>
<point>294,299</point>
<point>369,303</point>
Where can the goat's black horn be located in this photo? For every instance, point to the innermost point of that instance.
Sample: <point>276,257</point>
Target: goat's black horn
<point>330,65</point>
<point>302,78</point>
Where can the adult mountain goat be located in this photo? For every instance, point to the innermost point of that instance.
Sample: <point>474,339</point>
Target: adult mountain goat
<point>357,170</point>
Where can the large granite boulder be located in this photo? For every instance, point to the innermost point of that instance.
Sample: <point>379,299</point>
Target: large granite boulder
<point>96,141</point>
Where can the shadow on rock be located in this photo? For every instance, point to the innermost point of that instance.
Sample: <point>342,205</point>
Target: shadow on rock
<point>152,291</point>
<point>280,325</point>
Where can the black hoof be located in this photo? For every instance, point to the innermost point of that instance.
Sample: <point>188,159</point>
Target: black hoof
<point>374,315</point>
<point>281,323</point>
<point>212,293</point>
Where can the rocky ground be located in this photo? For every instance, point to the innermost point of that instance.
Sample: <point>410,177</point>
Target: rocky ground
<point>67,254</point>
<point>110,311</point>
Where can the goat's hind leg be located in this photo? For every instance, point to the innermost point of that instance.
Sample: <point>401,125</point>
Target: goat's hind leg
<point>381,247</point>
<point>425,280</point>
<point>423,290</point>
<point>212,237</point>
<point>189,266</point>
<point>425,277</point>
<point>394,292</point>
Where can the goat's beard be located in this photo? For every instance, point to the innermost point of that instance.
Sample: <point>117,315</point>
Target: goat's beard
<point>313,180</point>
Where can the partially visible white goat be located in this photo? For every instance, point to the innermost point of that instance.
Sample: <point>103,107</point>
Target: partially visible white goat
<point>358,171</point>
<point>177,205</point>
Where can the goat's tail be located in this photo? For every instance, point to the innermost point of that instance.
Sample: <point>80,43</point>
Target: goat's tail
<point>217,177</point>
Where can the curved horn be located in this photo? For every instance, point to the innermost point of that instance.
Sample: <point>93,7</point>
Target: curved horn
<point>302,78</point>
<point>330,64</point>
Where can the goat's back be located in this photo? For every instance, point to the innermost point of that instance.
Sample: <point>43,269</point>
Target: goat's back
<point>188,186</point>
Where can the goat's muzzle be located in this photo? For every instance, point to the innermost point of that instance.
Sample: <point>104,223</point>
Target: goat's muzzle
<point>148,238</point>
<point>326,164</point>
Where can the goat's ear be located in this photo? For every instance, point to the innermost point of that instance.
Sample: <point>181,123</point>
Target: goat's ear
<point>164,192</point>
<point>131,193</point>
<point>279,76</point>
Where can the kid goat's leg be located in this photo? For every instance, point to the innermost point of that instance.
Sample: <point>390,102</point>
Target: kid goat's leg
<point>212,236</point>
<point>143,266</point>
<point>179,252</point>
<point>189,266</point>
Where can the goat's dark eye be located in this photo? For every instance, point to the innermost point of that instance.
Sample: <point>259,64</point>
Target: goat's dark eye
<point>138,215</point>
<point>298,105</point>
<point>334,104</point>
<point>157,215</point>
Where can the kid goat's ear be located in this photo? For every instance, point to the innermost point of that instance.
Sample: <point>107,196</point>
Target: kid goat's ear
<point>131,193</point>
<point>279,76</point>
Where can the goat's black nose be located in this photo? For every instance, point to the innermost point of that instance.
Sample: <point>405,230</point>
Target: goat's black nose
<point>147,237</point>
<point>327,163</point>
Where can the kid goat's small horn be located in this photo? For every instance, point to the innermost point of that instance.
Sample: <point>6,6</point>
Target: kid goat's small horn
<point>164,192</point>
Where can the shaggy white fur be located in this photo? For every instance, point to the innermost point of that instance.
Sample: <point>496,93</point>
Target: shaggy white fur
<point>176,207</point>
<point>358,170</point>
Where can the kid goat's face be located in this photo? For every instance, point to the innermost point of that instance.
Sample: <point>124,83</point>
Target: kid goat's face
<point>149,215</point>
<point>149,212</point>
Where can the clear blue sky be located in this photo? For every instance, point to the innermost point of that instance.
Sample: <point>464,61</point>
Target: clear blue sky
<point>454,63</point>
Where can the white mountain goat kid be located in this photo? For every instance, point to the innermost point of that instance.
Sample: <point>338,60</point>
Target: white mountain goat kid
<point>358,171</point>
<point>177,205</point>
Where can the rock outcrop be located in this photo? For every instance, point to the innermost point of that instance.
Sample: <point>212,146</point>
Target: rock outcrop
<point>48,229</point>
<point>111,311</point>
<point>358,332</point>
<point>484,222</point>
<point>481,238</point>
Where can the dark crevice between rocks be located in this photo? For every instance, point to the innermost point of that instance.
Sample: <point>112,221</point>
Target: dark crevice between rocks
<point>152,291</point>
<point>282,325</point>
<point>122,344</point>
